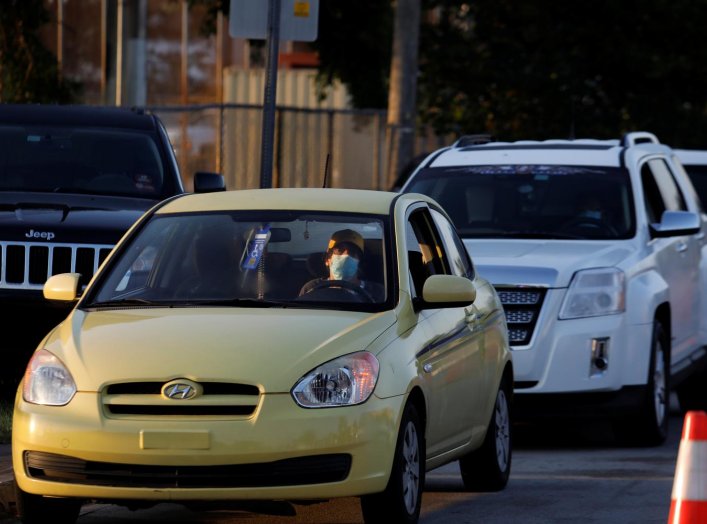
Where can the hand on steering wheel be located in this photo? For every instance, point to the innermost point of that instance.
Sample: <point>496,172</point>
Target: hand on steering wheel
<point>590,224</point>
<point>347,286</point>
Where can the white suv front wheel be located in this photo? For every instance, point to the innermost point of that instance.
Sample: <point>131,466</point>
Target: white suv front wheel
<point>648,426</point>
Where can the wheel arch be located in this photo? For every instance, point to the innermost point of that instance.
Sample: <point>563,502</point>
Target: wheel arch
<point>417,398</point>
<point>663,315</point>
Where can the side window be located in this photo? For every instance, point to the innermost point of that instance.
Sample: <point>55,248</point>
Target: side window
<point>458,255</point>
<point>672,196</point>
<point>426,254</point>
<point>655,205</point>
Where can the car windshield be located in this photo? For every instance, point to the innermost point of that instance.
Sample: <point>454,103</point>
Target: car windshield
<point>249,259</point>
<point>80,160</point>
<point>533,201</point>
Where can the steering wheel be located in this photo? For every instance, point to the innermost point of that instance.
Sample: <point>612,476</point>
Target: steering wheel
<point>345,285</point>
<point>597,226</point>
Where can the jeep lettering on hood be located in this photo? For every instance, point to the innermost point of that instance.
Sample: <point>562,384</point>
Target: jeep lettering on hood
<point>44,235</point>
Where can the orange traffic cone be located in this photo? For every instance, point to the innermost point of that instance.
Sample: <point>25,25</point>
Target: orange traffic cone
<point>689,500</point>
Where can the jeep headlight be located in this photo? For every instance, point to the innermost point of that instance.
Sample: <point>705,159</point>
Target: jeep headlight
<point>344,381</point>
<point>47,381</point>
<point>595,292</point>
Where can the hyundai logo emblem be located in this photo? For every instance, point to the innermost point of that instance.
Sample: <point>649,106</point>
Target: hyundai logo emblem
<point>181,389</point>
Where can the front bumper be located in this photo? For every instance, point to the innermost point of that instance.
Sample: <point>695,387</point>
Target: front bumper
<point>279,435</point>
<point>559,357</point>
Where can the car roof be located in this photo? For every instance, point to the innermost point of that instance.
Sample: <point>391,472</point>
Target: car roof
<point>692,156</point>
<point>579,152</point>
<point>76,115</point>
<point>315,199</point>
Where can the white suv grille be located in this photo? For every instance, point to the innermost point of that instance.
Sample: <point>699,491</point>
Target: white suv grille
<point>522,307</point>
<point>28,265</point>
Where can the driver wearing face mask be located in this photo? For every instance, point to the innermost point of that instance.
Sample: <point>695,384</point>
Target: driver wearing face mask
<point>591,207</point>
<point>343,259</point>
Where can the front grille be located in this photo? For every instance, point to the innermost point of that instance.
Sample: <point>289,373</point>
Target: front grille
<point>144,399</point>
<point>522,307</point>
<point>28,265</point>
<point>315,469</point>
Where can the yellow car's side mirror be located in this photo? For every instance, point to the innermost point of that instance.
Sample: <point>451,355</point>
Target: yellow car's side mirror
<point>62,287</point>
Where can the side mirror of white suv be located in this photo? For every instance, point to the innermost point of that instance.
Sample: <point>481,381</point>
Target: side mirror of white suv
<point>676,223</point>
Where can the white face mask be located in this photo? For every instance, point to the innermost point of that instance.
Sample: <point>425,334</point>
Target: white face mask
<point>343,267</point>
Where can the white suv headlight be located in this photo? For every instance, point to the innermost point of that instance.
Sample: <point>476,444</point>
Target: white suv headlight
<point>344,381</point>
<point>595,292</point>
<point>47,381</point>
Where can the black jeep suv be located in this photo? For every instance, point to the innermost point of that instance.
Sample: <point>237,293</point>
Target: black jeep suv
<point>73,179</point>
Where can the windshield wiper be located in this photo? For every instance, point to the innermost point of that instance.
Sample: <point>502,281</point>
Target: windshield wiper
<point>127,302</point>
<point>234,302</point>
<point>524,234</point>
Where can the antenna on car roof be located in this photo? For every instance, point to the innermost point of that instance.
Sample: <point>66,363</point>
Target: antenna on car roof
<point>572,130</point>
<point>326,169</point>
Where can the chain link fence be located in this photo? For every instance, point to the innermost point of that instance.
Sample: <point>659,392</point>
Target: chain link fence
<point>226,138</point>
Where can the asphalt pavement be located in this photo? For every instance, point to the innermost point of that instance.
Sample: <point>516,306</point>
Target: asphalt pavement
<point>7,495</point>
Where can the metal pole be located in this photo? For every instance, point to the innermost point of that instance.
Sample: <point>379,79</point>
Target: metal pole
<point>184,83</point>
<point>219,90</point>
<point>104,49</point>
<point>266,151</point>
<point>119,55</point>
<point>60,37</point>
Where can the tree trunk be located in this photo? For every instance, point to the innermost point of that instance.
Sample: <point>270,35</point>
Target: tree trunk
<point>400,131</point>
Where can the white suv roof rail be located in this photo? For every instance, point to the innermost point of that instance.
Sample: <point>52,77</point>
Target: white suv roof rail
<point>639,137</point>
<point>473,140</point>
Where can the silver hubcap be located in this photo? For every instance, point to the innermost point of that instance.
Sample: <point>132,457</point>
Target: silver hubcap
<point>503,431</point>
<point>659,385</point>
<point>411,468</point>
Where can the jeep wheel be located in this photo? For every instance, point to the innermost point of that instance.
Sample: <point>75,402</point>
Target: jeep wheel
<point>488,468</point>
<point>402,498</point>
<point>36,509</point>
<point>649,425</point>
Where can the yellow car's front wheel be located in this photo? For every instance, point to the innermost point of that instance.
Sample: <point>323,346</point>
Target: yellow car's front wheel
<point>36,509</point>
<point>402,498</point>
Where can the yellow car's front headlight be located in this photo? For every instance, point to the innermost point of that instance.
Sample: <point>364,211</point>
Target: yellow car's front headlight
<point>344,381</point>
<point>47,381</point>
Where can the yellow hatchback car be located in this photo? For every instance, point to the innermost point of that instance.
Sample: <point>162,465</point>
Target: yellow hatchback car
<point>290,344</point>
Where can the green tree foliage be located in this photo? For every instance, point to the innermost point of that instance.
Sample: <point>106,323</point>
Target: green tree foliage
<point>537,69</point>
<point>28,71</point>
<point>354,46</point>
<point>532,69</point>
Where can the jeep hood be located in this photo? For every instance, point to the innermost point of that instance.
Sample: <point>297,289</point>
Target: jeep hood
<point>66,218</point>
<point>269,348</point>
<point>540,262</point>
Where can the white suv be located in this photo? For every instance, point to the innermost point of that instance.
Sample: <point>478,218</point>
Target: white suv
<point>597,250</point>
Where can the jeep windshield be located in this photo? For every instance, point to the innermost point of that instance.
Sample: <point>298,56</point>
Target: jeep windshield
<point>248,259</point>
<point>533,201</point>
<point>100,161</point>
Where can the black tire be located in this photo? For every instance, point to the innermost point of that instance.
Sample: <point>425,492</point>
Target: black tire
<point>402,498</point>
<point>692,393</point>
<point>36,509</point>
<point>488,467</point>
<point>648,426</point>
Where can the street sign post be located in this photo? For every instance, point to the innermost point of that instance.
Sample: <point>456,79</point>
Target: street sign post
<point>272,20</point>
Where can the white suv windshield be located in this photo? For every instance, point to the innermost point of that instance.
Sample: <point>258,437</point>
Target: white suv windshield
<point>249,259</point>
<point>532,201</point>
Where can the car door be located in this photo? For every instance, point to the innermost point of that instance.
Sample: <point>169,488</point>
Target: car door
<point>451,361</point>
<point>677,257</point>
